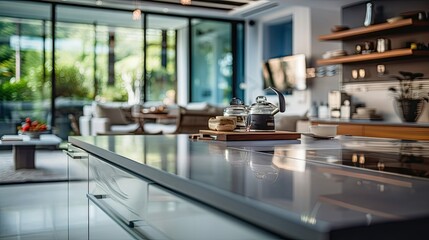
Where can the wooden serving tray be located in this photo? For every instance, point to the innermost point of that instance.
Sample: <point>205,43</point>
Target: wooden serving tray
<point>251,136</point>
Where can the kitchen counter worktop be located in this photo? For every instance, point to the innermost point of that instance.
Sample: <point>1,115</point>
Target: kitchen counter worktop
<point>341,188</point>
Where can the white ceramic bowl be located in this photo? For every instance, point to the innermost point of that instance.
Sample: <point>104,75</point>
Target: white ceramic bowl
<point>365,111</point>
<point>324,130</point>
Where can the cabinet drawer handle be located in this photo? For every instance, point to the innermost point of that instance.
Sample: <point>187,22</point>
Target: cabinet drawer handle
<point>76,155</point>
<point>128,226</point>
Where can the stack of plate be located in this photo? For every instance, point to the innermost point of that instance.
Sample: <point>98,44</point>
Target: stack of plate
<point>331,70</point>
<point>367,114</point>
<point>334,53</point>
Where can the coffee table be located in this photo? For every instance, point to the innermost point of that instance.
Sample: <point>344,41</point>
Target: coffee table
<point>24,147</point>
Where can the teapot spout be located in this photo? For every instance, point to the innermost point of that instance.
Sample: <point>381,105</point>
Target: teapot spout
<point>282,102</point>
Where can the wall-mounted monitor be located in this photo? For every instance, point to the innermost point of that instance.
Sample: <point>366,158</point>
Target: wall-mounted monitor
<point>285,73</point>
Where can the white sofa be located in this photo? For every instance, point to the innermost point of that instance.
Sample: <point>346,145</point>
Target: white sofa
<point>116,118</point>
<point>107,118</point>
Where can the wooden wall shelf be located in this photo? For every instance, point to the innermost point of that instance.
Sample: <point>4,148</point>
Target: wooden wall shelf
<point>408,24</point>
<point>374,56</point>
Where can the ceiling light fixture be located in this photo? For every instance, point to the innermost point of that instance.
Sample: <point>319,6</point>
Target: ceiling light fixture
<point>98,2</point>
<point>137,13</point>
<point>186,2</point>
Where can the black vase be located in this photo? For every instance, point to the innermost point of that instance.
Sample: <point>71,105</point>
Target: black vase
<point>409,110</point>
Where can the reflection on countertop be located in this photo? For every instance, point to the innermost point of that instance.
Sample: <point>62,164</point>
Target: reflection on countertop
<point>297,189</point>
<point>409,158</point>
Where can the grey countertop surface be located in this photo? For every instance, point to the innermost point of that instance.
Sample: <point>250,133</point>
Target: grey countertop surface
<point>307,188</point>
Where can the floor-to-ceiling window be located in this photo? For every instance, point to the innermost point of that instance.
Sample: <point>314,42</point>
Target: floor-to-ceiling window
<point>104,54</point>
<point>24,57</point>
<point>104,48</point>
<point>217,61</point>
<point>211,79</point>
<point>161,63</point>
<point>239,78</point>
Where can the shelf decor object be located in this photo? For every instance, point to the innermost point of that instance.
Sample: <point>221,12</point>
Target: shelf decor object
<point>409,110</point>
<point>409,98</point>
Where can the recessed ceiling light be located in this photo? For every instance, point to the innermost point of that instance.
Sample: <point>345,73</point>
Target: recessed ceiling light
<point>165,10</point>
<point>98,2</point>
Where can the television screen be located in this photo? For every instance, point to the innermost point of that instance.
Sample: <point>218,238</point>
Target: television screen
<point>285,73</point>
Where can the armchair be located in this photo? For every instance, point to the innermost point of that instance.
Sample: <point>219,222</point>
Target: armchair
<point>111,118</point>
<point>194,118</point>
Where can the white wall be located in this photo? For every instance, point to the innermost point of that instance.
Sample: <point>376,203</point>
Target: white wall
<point>308,24</point>
<point>321,23</point>
<point>383,102</point>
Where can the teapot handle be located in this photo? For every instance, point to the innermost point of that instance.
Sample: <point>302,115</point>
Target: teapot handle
<point>282,102</point>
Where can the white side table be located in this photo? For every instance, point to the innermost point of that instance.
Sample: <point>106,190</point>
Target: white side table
<point>23,150</point>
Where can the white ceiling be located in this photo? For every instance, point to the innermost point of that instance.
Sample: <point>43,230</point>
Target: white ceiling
<point>118,18</point>
<point>208,8</point>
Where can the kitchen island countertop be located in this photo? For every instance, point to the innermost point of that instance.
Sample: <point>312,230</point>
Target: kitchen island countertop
<point>307,189</point>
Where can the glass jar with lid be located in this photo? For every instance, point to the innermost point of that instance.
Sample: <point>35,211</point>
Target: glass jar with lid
<point>239,110</point>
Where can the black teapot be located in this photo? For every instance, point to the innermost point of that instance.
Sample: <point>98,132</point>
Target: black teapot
<point>261,114</point>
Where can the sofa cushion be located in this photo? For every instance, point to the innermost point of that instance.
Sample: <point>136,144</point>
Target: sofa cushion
<point>198,106</point>
<point>202,108</point>
<point>124,128</point>
<point>114,114</point>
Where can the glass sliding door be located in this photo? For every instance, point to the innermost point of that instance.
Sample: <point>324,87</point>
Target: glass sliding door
<point>24,48</point>
<point>238,65</point>
<point>161,44</point>
<point>101,52</point>
<point>100,55</point>
<point>106,47</point>
<point>119,64</point>
<point>212,59</point>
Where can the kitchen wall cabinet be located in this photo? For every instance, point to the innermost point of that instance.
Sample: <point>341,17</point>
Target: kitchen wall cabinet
<point>396,131</point>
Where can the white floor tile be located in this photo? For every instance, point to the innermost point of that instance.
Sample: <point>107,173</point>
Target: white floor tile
<point>36,211</point>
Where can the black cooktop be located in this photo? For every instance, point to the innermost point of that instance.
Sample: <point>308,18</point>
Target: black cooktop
<point>405,158</point>
<point>410,158</point>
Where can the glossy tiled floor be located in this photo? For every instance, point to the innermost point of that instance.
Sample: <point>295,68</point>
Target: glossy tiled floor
<point>35,211</point>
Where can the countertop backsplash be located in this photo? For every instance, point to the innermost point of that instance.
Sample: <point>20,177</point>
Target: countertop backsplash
<point>383,102</point>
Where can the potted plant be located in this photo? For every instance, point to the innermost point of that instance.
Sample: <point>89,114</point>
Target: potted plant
<point>409,96</point>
